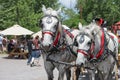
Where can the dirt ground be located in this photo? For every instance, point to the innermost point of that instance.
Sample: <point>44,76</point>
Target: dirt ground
<point>17,69</point>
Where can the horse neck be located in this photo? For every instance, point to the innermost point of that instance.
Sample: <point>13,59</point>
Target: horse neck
<point>98,30</point>
<point>97,38</point>
<point>60,32</point>
<point>70,35</point>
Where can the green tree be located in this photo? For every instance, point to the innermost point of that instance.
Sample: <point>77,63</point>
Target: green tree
<point>71,19</point>
<point>23,12</point>
<point>107,9</point>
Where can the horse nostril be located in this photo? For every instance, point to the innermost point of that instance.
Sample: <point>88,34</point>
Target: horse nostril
<point>81,64</point>
<point>49,45</point>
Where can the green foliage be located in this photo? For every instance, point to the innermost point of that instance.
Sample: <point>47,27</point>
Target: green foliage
<point>107,9</point>
<point>23,12</point>
<point>72,18</point>
<point>28,12</point>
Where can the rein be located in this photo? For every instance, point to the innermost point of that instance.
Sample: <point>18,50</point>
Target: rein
<point>71,36</point>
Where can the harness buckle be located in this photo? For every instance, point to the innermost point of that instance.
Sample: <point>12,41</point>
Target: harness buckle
<point>94,60</point>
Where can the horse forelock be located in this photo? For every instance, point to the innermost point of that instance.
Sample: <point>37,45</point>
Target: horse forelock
<point>51,12</point>
<point>87,32</point>
<point>94,29</point>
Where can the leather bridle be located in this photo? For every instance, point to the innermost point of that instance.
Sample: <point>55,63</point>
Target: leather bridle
<point>55,34</point>
<point>87,53</point>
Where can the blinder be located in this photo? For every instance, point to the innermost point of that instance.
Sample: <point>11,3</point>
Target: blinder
<point>40,23</point>
<point>75,42</point>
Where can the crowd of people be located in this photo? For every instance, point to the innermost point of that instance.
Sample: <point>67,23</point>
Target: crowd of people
<point>31,45</point>
<point>7,45</point>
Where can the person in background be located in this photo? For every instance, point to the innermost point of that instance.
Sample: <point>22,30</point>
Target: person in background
<point>10,46</point>
<point>99,21</point>
<point>29,45</point>
<point>35,51</point>
<point>4,43</point>
<point>1,44</point>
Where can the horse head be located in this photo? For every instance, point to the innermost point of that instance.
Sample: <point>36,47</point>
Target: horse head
<point>85,43</point>
<point>92,43</point>
<point>89,40</point>
<point>51,27</point>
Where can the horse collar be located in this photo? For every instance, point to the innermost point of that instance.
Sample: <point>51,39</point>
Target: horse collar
<point>101,51</point>
<point>56,39</point>
<point>69,33</point>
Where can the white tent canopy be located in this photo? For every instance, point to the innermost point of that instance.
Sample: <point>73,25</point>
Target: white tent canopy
<point>39,33</point>
<point>16,30</point>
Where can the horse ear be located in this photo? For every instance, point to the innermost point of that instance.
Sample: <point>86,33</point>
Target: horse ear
<point>92,27</point>
<point>59,10</point>
<point>43,8</point>
<point>93,21</point>
<point>80,26</point>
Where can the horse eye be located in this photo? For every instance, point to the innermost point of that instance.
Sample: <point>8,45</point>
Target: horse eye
<point>89,43</point>
<point>40,24</point>
<point>75,43</point>
<point>55,26</point>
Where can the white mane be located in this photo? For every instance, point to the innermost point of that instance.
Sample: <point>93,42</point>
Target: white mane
<point>94,28</point>
<point>65,27</point>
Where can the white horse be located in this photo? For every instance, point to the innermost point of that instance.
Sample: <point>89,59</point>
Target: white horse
<point>98,50</point>
<point>56,43</point>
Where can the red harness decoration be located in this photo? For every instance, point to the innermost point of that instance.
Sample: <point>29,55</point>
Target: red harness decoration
<point>46,32</point>
<point>102,46</point>
<point>83,52</point>
<point>101,21</point>
<point>112,36</point>
<point>56,39</point>
<point>70,34</point>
